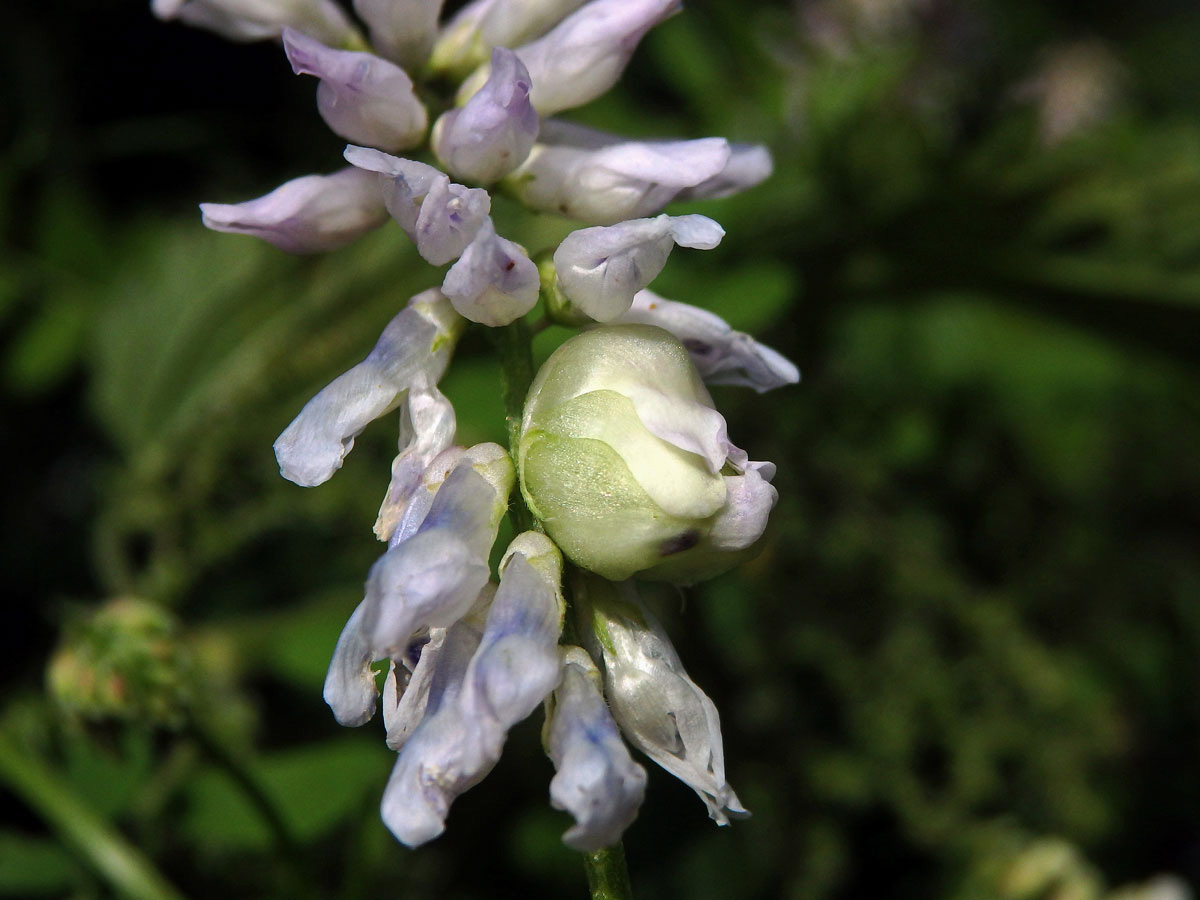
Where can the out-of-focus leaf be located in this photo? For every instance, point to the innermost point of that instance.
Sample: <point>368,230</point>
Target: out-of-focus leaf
<point>34,867</point>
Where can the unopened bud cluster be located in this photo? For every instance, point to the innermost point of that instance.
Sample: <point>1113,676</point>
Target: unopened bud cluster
<point>622,457</point>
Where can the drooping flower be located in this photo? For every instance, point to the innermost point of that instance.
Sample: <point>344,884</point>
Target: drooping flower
<point>660,709</point>
<point>494,281</point>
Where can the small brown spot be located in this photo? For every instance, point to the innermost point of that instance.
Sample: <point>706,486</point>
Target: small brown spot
<point>679,543</point>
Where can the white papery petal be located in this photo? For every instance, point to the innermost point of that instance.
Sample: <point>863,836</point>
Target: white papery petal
<point>492,134</point>
<point>721,355</point>
<point>439,216</point>
<point>256,20</point>
<point>415,346</point>
<point>403,30</point>
<point>596,781</point>
<point>493,282</point>
<point>585,54</point>
<point>363,98</point>
<point>513,668</point>
<point>748,166</point>
<point>310,214</point>
<point>660,709</point>
<point>427,428</point>
<point>688,425</point>
<point>600,269</point>
<point>604,179</point>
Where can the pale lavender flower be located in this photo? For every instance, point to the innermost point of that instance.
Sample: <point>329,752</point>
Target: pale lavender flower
<point>720,354</point>
<point>256,20</point>
<point>414,348</point>
<point>596,781</point>
<point>491,134</point>
<point>402,30</point>
<point>660,709</point>
<point>494,282</point>
<point>585,54</point>
<point>513,666</point>
<point>439,216</point>
<point>603,179</point>
<point>310,214</point>
<point>361,97</point>
<point>600,269</point>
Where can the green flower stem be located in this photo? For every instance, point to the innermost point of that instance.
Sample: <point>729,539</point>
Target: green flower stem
<point>95,839</point>
<point>515,345</point>
<point>607,873</point>
<point>608,877</point>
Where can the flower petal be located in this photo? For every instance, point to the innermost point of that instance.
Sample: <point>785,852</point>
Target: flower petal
<point>415,346</point>
<point>596,781</point>
<point>748,166</point>
<point>310,214</point>
<point>494,282</point>
<point>600,269</point>
<point>721,355</point>
<point>402,29</point>
<point>659,708</point>
<point>490,135</point>
<point>363,98</point>
<point>256,20</point>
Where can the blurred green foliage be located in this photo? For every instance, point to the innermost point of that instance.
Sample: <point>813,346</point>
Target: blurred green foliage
<point>966,665</point>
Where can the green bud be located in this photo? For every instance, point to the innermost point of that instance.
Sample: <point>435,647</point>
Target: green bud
<point>627,464</point>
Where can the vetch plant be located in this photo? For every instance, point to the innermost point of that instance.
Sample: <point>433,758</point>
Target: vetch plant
<point>624,465</point>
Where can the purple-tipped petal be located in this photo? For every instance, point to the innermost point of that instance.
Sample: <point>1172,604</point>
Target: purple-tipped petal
<point>492,134</point>
<point>721,355</point>
<point>494,282</point>
<point>600,269</point>
<point>439,216</point>
<point>363,98</point>
<point>310,214</point>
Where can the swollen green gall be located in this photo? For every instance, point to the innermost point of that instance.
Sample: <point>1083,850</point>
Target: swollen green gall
<point>627,464</point>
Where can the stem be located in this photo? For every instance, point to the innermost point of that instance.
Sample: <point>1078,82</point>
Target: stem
<point>120,863</point>
<point>607,875</point>
<point>515,345</point>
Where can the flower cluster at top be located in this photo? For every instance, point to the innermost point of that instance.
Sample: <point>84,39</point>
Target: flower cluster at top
<point>621,457</point>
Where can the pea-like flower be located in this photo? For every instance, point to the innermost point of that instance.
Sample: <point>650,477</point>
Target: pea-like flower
<point>257,20</point>
<point>628,465</point>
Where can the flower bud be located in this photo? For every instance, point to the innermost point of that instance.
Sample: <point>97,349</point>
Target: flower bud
<point>628,465</point>
<point>310,214</point>
<point>494,282</point>
<point>491,134</point>
<point>363,98</point>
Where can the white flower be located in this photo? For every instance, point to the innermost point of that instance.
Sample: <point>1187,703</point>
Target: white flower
<point>659,708</point>
<point>494,282</point>
<point>403,30</point>
<point>256,20</point>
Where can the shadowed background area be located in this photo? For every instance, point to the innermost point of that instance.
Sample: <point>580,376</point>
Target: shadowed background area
<point>965,665</point>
